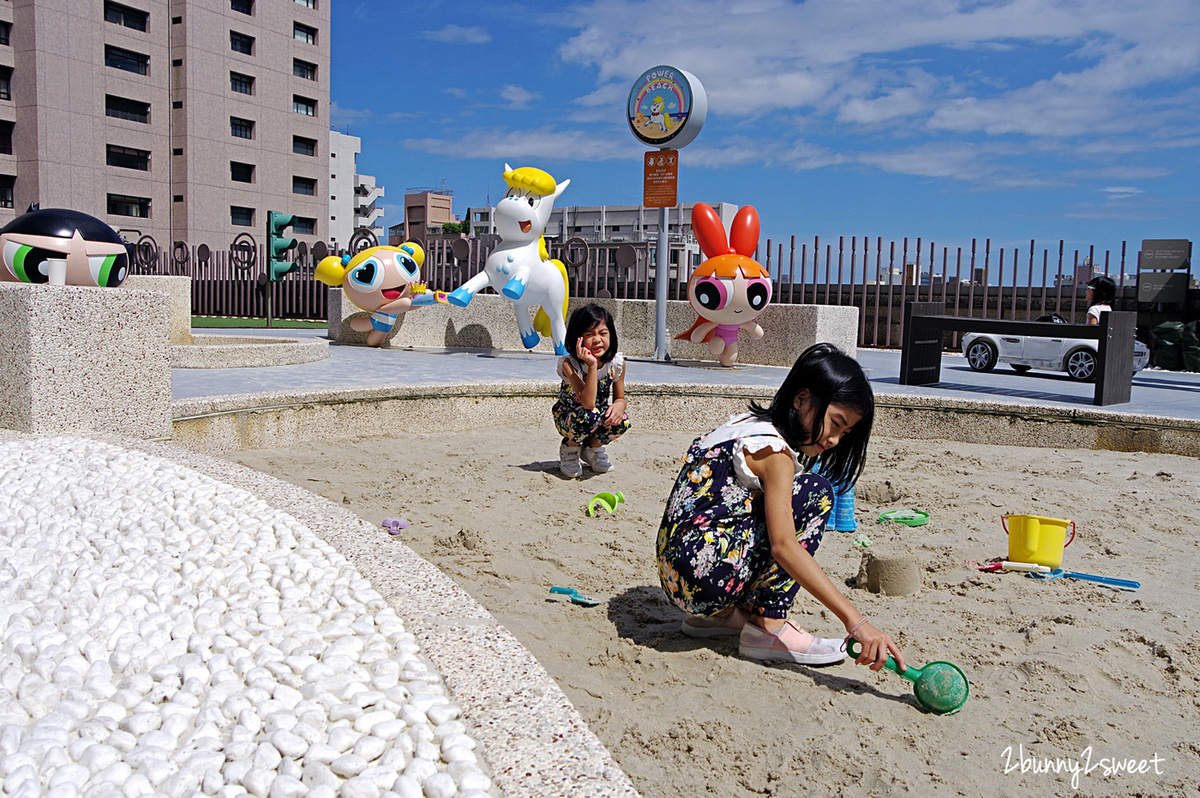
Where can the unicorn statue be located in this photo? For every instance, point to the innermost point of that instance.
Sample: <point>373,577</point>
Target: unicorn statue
<point>520,268</point>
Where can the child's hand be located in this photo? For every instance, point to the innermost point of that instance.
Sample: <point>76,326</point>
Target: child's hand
<point>585,355</point>
<point>875,647</point>
<point>614,414</point>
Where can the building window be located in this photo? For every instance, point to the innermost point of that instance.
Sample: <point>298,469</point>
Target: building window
<point>128,158</point>
<point>6,129</point>
<point>177,104</point>
<point>124,15</point>
<point>303,33</point>
<point>241,128</point>
<point>122,205</point>
<point>128,60</point>
<point>303,146</point>
<point>304,226</point>
<point>6,190</point>
<point>303,69</point>
<point>241,43</point>
<point>177,198</point>
<point>242,217</point>
<point>242,6</point>
<point>307,3</point>
<point>120,108</point>
<point>5,32</point>
<point>303,105</point>
<point>177,151</point>
<point>5,83</point>
<point>241,172</point>
<point>176,62</point>
<point>304,185</point>
<point>242,84</point>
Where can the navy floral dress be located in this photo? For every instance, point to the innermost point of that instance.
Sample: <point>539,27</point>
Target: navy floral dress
<point>713,546</point>
<point>574,421</point>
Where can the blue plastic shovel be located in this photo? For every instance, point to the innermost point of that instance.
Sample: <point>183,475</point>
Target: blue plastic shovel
<point>1123,584</point>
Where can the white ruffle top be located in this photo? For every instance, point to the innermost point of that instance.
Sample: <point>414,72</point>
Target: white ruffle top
<point>751,435</point>
<point>616,366</point>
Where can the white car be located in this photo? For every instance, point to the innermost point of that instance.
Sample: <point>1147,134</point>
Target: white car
<point>1076,356</point>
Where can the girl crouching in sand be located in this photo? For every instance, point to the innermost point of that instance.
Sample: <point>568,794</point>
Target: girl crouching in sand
<point>594,371</point>
<point>745,516</point>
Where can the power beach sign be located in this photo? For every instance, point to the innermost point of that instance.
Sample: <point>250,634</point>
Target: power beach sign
<point>667,107</point>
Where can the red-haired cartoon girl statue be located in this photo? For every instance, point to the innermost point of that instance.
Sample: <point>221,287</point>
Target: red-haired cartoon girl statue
<point>730,289</point>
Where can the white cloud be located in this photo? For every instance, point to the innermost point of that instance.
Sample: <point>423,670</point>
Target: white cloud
<point>457,34</point>
<point>518,97</point>
<point>1121,192</point>
<point>1082,79</point>
<point>545,144</point>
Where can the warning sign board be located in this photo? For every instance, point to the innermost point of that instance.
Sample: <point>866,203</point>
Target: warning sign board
<point>661,183</point>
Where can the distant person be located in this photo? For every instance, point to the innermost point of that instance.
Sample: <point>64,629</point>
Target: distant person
<point>590,411</point>
<point>746,515</point>
<point>1101,291</point>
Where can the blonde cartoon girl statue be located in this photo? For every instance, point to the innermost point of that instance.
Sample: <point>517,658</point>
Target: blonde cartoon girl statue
<point>520,268</point>
<point>730,289</point>
<point>382,281</point>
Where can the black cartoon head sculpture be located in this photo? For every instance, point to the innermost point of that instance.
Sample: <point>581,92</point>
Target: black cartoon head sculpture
<point>95,254</point>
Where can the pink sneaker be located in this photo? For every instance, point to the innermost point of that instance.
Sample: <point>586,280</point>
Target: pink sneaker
<point>789,644</point>
<point>712,626</point>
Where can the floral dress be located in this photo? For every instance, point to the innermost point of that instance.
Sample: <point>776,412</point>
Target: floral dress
<point>574,421</point>
<point>713,546</point>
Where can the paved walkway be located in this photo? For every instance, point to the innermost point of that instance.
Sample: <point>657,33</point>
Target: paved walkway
<point>1158,393</point>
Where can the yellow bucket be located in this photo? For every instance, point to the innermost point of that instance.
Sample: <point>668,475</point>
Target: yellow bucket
<point>1037,539</point>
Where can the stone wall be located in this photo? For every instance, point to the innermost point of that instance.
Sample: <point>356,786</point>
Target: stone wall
<point>84,360</point>
<point>489,323</point>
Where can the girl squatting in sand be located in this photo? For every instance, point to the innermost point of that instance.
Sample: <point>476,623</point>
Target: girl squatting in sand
<point>746,516</point>
<point>594,372</point>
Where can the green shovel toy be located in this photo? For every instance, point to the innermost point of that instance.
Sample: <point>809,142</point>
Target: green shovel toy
<point>941,687</point>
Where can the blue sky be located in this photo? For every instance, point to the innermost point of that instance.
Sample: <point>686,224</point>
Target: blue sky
<point>945,119</point>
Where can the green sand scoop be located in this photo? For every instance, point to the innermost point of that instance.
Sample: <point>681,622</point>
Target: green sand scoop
<point>941,687</point>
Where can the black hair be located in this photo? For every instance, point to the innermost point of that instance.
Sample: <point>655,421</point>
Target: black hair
<point>832,378</point>
<point>1104,290</point>
<point>582,320</point>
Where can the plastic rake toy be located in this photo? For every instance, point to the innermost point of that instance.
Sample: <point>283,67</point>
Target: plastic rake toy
<point>941,687</point>
<point>575,597</point>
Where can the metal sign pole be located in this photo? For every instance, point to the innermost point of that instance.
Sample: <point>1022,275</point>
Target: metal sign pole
<point>660,288</point>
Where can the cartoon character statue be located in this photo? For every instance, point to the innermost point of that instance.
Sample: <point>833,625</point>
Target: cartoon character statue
<point>382,281</point>
<point>34,244</point>
<point>657,117</point>
<point>520,268</point>
<point>730,289</point>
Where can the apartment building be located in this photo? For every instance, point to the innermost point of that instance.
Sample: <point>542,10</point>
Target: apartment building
<point>353,197</point>
<point>184,120</point>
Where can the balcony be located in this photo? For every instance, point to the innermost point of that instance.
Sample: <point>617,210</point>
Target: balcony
<point>365,190</point>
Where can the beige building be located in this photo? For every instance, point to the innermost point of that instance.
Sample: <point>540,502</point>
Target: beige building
<point>185,120</point>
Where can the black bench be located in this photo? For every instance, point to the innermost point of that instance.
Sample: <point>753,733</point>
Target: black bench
<point>925,323</point>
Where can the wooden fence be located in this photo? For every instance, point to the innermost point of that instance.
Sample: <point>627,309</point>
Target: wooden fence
<point>877,276</point>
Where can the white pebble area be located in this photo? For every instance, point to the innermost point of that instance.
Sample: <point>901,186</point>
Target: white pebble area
<point>163,633</point>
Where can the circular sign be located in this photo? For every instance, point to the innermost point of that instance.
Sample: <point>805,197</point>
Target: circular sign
<point>667,107</point>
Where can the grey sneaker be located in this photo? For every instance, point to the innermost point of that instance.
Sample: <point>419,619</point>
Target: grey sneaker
<point>597,459</point>
<point>568,461</point>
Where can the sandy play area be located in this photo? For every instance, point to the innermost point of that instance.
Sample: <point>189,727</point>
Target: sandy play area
<point>1076,688</point>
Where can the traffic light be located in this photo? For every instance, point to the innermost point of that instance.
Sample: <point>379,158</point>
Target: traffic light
<point>277,265</point>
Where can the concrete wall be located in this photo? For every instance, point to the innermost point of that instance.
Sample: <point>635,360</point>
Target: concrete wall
<point>489,323</point>
<point>218,425</point>
<point>84,360</point>
<point>179,289</point>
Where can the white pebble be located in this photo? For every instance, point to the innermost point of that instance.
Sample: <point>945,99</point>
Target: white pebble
<point>348,765</point>
<point>440,785</point>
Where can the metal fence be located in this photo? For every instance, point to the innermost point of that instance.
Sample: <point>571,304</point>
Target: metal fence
<point>875,275</point>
